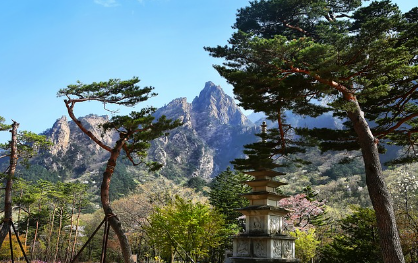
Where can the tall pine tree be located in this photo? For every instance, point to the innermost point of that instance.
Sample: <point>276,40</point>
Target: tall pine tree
<point>355,61</point>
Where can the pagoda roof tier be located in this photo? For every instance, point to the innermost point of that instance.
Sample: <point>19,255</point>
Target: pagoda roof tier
<point>264,195</point>
<point>264,182</point>
<point>262,209</point>
<point>269,173</point>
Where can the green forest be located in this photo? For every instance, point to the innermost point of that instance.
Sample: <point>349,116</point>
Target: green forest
<point>355,60</point>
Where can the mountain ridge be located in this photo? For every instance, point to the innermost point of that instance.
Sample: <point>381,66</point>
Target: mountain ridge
<point>213,133</point>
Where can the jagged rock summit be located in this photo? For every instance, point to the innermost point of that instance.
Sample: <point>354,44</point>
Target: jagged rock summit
<point>213,133</point>
<point>212,102</point>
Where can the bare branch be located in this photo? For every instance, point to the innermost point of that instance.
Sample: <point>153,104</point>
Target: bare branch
<point>70,105</point>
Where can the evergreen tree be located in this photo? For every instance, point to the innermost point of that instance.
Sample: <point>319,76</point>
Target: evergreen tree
<point>225,193</point>
<point>135,132</point>
<point>356,61</point>
<point>358,242</point>
<point>21,147</point>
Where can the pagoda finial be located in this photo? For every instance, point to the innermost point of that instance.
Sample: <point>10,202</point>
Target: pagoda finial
<point>264,127</point>
<point>264,130</point>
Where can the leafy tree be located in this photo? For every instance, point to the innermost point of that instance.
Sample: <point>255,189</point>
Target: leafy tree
<point>188,230</point>
<point>306,244</point>
<point>22,146</point>
<point>303,211</point>
<point>356,61</point>
<point>225,193</point>
<point>135,132</point>
<point>358,241</point>
<point>404,191</point>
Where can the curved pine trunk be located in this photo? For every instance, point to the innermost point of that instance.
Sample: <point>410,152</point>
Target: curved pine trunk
<point>104,194</point>
<point>379,194</point>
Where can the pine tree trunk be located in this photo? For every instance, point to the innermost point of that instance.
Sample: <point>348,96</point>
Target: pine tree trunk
<point>36,230</point>
<point>27,228</point>
<point>9,183</point>
<point>76,232</point>
<point>113,220</point>
<point>67,251</point>
<point>379,194</point>
<point>50,230</point>
<point>59,235</point>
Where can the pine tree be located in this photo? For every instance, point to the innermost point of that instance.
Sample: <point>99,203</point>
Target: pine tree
<point>356,61</point>
<point>22,146</point>
<point>225,193</point>
<point>135,131</point>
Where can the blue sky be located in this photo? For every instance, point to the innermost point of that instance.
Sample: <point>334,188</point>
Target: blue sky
<point>49,44</point>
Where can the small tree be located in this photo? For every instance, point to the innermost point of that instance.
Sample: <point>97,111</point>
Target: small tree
<point>188,230</point>
<point>135,132</point>
<point>22,146</point>
<point>306,244</point>
<point>304,213</point>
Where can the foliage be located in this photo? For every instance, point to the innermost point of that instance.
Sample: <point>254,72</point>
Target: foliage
<point>5,249</point>
<point>340,170</point>
<point>358,241</point>
<point>404,191</point>
<point>304,212</point>
<point>3,127</point>
<point>196,183</point>
<point>28,145</point>
<point>135,209</point>
<point>47,217</point>
<point>306,244</point>
<point>296,60</point>
<point>187,230</point>
<point>225,191</point>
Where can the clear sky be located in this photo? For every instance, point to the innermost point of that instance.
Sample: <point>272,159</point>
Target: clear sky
<point>48,44</point>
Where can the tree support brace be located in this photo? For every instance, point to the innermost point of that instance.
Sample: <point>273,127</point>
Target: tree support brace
<point>105,239</point>
<point>10,223</point>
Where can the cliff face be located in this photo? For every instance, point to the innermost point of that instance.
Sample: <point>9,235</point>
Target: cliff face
<point>213,133</point>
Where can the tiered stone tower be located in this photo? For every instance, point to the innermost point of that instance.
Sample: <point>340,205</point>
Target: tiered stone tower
<point>264,239</point>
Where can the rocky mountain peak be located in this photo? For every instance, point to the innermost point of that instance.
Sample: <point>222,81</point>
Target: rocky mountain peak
<point>60,136</point>
<point>213,103</point>
<point>177,109</point>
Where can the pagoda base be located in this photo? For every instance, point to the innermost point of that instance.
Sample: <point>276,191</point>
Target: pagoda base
<point>264,248</point>
<point>261,260</point>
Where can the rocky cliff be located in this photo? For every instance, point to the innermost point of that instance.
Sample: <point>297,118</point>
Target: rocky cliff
<point>213,134</point>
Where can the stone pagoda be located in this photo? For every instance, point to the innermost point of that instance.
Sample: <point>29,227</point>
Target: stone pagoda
<point>264,239</point>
